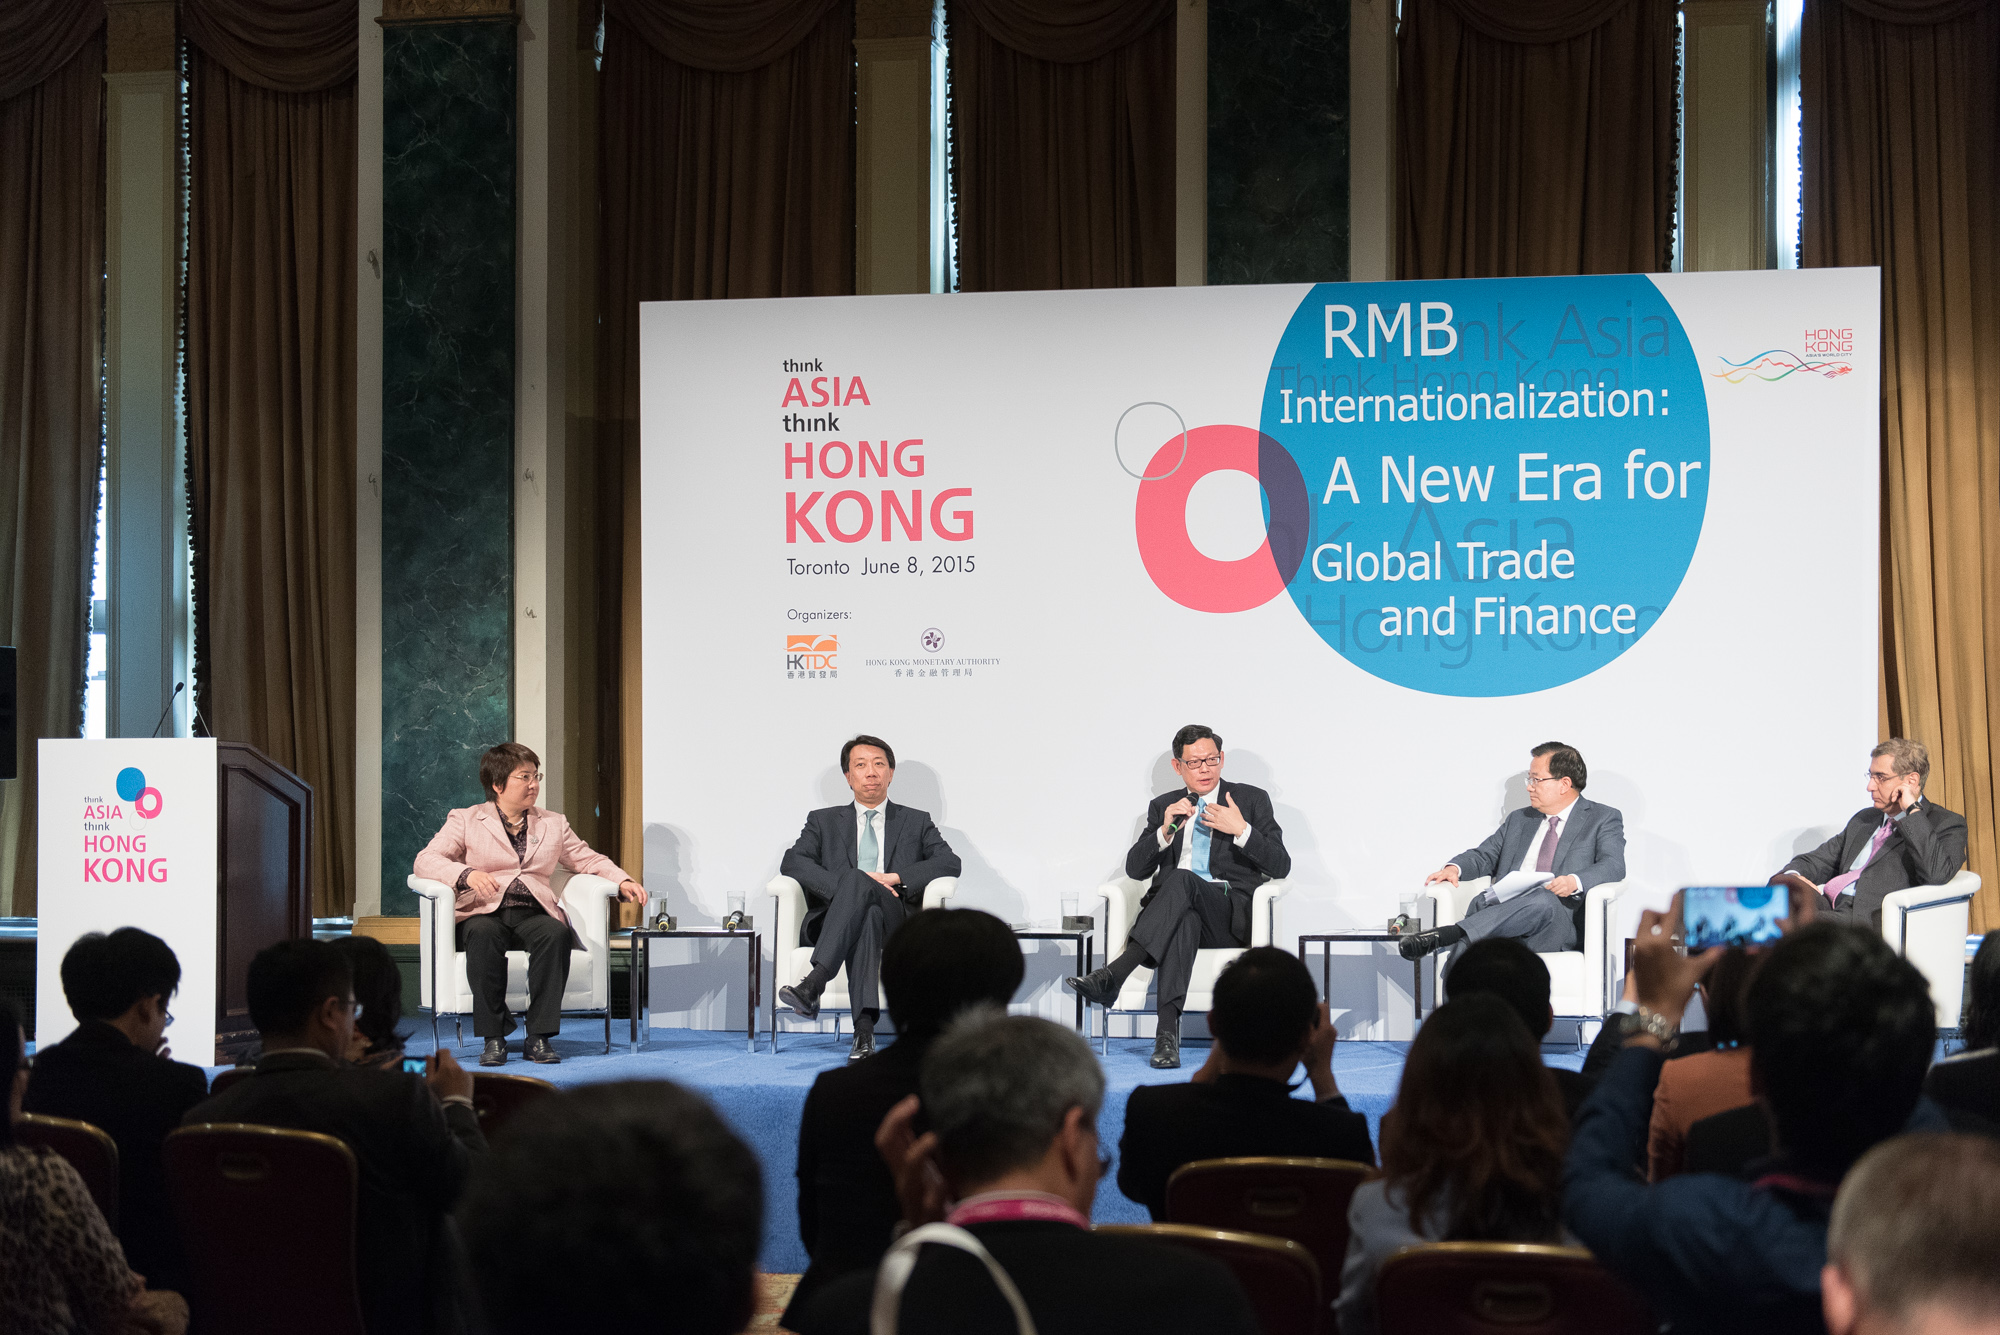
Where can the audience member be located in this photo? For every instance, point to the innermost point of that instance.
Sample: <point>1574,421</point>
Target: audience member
<point>1912,1246</point>
<point>61,1269</point>
<point>1013,1104</point>
<point>1840,1032</point>
<point>113,1072</point>
<point>934,966</point>
<point>1704,1083</point>
<point>1472,1151</point>
<point>378,1000</point>
<point>1506,967</point>
<point>1970,1081</point>
<point>626,1206</point>
<point>1267,1018</point>
<point>413,1137</point>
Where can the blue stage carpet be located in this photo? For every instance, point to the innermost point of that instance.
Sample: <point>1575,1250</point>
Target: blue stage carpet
<point>761,1095</point>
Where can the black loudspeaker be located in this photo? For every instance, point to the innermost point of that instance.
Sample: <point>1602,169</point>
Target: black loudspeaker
<point>10,746</point>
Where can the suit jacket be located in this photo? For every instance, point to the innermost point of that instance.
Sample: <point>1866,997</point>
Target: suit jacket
<point>1262,858</point>
<point>847,1199</point>
<point>830,846</point>
<point>97,1075</point>
<point>1928,848</point>
<point>1167,1126</point>
<point>475,838</point>
<point>1968,1082</point>
<point>413,1156</point>
<point>1590,845</point>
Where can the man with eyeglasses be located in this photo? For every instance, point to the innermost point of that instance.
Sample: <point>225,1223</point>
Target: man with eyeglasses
<point>1581,843</point>
<point>1205,849</point>
<point>1900,839</point>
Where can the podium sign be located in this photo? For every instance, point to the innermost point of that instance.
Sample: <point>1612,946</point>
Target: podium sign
<point>127,838</point>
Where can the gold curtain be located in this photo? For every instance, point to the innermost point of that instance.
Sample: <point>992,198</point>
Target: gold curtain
<point>727,170</point>
<point>271,328</point>
<point>1062,124</point>
<point>1535,137</point>
<point>51,384</point>
<point>1901,149</point>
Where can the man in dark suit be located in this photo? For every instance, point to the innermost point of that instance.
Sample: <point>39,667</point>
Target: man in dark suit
<point>1205,849</point>
<point>114,1072</point>
<point>414,1137</point>
<point>1899,840</point>
<point>863,866</point>
<point>1580,842</point>
<point>1267,1019</point>
<point>1013,1102</point>
<point>937,964</point>
<point>1505,967</point>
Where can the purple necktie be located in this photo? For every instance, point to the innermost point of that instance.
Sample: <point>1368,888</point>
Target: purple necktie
<point>1546,859</point>
<point>1840,884</point>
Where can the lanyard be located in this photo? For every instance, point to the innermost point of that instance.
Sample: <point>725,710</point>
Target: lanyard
<point>1009,1209</point>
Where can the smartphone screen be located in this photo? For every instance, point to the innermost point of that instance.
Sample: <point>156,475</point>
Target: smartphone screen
<point>1733,915</point>
<point>414,1065</point>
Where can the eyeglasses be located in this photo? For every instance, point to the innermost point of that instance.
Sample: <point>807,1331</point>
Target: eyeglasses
<point>1534,779</point>
<point>529,778</point>
<point>1200,762</point>
<point>1874,778</point>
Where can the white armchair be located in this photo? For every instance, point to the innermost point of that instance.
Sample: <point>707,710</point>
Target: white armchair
<point>1578,980</point>
<point>1121,910</point>
<point>1927,925</point>
<point>447,991</point>
<point>791,962</point>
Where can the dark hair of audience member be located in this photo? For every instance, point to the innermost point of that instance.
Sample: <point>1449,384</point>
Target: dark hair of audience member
<point>1504,967</point>
<point>1265,1005</point>
<point>997,1089</point>
<point>1477,1127</point>
<point>1979,1026</point>
<point>942,960</point>
<point>1841,1032</point>
<point>378,989</point>
<point>12,1046</point>
<point>288,981</point>
<point>1725,993</point>
<point>104,975</point>
<point>642,1170</point>
<point>847,750</point>
<point>1917,1224</point>
<point>1192,733</point>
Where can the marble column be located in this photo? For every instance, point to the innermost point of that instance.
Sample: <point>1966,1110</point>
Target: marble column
<point>448,381</point>
<point>1277,141</point>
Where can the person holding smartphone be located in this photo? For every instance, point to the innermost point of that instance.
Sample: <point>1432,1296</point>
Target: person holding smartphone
<point>1900,839</point>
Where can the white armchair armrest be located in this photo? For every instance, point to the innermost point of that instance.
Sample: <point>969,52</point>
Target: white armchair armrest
<point>1927,925</point>
<point>1264,911</point>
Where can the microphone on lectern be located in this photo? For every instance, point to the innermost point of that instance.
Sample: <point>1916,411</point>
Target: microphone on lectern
<point>179,686</point>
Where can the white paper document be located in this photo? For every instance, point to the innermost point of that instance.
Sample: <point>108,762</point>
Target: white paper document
<point>1518,882</point>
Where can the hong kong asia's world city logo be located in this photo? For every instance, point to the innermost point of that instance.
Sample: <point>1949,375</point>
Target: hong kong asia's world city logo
<point>132,788</point>
<point>1475,488</point>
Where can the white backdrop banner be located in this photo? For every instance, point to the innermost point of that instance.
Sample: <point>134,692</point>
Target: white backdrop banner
<point>126,838</point>
<point>1384,538</point>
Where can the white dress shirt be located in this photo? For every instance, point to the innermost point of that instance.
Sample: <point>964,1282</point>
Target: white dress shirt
<point>1187,845</point>
<point>1562,828</point>
<point>881,833</point>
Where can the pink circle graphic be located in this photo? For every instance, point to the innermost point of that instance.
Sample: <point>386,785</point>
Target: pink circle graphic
<point>1176,565</point>
<point>150,795</point>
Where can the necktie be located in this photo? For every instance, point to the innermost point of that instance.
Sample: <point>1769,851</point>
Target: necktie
<point>1844,882</point>
<point>1546,859</point>
<point>871,851</point>
<point>1198,858</point>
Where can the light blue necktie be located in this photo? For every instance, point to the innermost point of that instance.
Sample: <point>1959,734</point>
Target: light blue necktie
<point>870,851</point>
<point>1198,863</point>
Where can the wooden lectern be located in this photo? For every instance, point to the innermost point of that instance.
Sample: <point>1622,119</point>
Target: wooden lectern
<point>263,877</point>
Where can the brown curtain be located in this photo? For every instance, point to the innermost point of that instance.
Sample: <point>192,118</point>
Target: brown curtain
<point>727,170</point>
<point>270,391</point>
<point>1535,137</point>
<point>1901,148</point>
<point>51,383</point>
<point>1062,128</point>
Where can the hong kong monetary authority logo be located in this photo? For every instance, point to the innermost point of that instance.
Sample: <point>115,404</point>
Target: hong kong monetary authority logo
<point>811,656</point>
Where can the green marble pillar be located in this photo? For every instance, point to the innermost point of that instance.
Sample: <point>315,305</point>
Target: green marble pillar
<point>448,207</point>
<point>1277,141</point>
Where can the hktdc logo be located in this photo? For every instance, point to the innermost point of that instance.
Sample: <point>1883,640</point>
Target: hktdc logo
<point>812,656</point>
<point>132,788</point>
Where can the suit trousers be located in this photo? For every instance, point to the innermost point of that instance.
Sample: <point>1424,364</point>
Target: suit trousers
<point>1539,917</point>
<point>486,938</point>
<point>1185,914</point>
<point>859,920</point>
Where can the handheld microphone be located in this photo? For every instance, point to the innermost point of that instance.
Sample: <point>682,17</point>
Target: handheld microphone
<point>179,686</point>
<point>1175,828</point>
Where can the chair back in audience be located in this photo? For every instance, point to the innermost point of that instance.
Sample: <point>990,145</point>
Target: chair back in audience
<point>1304,1200</point>
<point>1504,1288</point>
<point>89,1149</point>
<point>224,1079</point>
<point>268,1218</point>
<point>1280,1277</point>
<point>496,1097</point>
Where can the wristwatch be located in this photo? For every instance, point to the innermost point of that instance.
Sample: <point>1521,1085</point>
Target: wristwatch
<point>1649,1021</point>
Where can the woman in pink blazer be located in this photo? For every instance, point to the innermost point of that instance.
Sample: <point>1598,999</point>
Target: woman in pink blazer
<point>499,856</point>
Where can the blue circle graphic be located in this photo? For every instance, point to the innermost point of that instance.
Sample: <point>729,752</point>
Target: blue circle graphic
<point>1507,477</point>
<point>131,783</point>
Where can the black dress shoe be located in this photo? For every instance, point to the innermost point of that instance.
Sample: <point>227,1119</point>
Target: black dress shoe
<point>1416,946</point>
<point>495,1053</point>
<point>864,1046</point>
<point>803,1000</point>
<point>538,1050</point>
<point>1166,1052</point>
<point>1099,987</point>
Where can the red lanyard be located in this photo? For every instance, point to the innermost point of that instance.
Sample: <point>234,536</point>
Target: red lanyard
<point>1008,1209</point>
